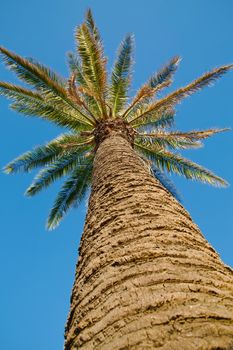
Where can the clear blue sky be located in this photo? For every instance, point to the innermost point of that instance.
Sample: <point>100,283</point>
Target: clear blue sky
<point>37,267</point>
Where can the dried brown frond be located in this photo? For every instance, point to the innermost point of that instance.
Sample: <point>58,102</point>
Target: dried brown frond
<point>72,90</point>
<point>73,94</point>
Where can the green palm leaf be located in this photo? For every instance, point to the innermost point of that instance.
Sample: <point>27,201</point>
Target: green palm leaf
<point>121,76</point>
<point>32,103</point>
<point>192,135</point>
<point>176,96</point>
<point>51,113</point>
<point>171,162</point>
<point>47,154</point>
<point>71,194</point>
<point>166,73</point>
<point>42,78</point>
<point>60,167</point>
<point>142,98</point>
<point>166,141</point>
<point>91,25</point>
<point>177,139</point>
<point>162,118</point>
<point>155,84</point>
<point>33,73</point>
<point>93,65</point>
<point>18,93</point>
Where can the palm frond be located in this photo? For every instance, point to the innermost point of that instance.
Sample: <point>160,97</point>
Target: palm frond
<point>75,68</point>
<point>176,96</point>
<point>166,182</point>
<point>71,194</point>
<point>93,64</point>
<point>162,118</point>
<point>63,100</point>
<point>73,62</point>
<point>32,103</point>
<point>72,91</point>
<point>177,139</point>
<point>51,113</point>
<point>60,167</point>
<point>162,79</point>
<point>143,96</point>
<point>18,93</point>
<point>191,136</point>
<point>166,73</point>
<point>91,25</point>
<point>166,140</point>
<point>35,74</point>
<point>121,76</point>
<point>171,162</point>
<point>76,97</point>
<point>47,154</point>
<point>48,83</point>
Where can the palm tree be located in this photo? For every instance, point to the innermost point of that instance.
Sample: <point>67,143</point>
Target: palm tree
<point>146,277</point>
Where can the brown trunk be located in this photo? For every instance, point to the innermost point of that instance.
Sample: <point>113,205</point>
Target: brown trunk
<point>146,277</point>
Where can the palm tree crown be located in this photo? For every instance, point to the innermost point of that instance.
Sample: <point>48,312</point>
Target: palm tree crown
<point>90,105</point>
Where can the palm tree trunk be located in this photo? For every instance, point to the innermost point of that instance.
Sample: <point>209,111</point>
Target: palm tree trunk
<point>146,277</point>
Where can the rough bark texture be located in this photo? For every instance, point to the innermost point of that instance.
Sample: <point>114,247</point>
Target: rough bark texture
<point>146,277</point>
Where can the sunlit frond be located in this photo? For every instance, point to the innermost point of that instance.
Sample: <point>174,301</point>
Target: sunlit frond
<point>166,140</point>
<point>121,76</point>
<point>72,91</point>
<point>51,113</point>
<point>177,139</point>
<point>93,64</point>
<point>39,76</point>
<point>48,83</point>
<point>71,194</point>
<point>144,94</point>
<point>159,81</point>
<point>176,96</point>
<point>59,168</point>
<point>162,118</point>
<point>47,154</point>
<point>32,103</point>
<point>191,136</point>
<point>171,162</point>
<point>18,93</point>
<point>90,22</point>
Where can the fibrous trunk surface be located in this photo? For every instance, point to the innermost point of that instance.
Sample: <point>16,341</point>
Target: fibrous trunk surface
<point>146,277</point>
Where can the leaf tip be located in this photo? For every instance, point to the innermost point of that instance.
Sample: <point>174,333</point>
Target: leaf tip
<point>29,191</point>
<point>177,59</point>
<point>8,169</point>
<point>51,224</point>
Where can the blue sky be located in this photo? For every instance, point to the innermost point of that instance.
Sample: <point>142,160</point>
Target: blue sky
<point>37,267</point>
